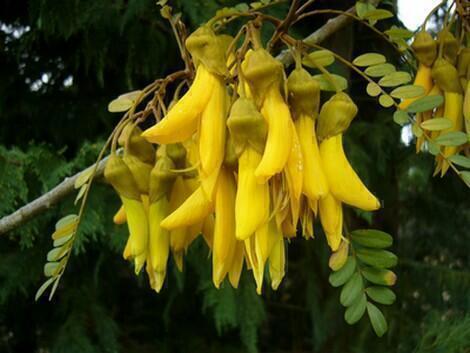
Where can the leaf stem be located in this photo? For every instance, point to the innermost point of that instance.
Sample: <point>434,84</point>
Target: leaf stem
<point>428,17</point>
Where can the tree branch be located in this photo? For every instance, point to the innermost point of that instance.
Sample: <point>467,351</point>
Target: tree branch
<point>322,33</point>
<point>66,187</point>
<point>44,202</point>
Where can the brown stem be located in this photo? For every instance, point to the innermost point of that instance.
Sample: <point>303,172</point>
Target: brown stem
<point>353,16</point>
<point>304,6</point>
<point>322,33</point>
<point>284,25</point>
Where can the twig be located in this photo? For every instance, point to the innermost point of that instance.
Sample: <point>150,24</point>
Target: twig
<point>304,6</point>
<point>290,18</point>
<point>66,187</point>
<point>322,33</point>
<point>356,18</point>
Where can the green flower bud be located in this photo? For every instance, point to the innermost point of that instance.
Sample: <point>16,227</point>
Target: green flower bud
<point>161,179</point>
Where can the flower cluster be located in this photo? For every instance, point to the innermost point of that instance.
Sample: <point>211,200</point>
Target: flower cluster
<point>248,157</point>
<point>444,70</point>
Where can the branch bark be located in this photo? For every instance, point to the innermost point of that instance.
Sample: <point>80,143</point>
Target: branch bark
<point>44,202</point>
<point>66,187</point>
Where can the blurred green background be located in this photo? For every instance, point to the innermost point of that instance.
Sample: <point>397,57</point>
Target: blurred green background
<point>61,62</point>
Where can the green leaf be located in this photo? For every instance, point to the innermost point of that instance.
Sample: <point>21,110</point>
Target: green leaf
<point>83,177</point>
<point>80,194</point>
<point>339,257</point>
<point>401,117</point>
<point>61,241</point>
<point>433,148</point>
<point>437,124</point>
<point>43,288</point>
<point>372,238</point>
<point>341,276</point>
<point>425,103</point>
<point>369,59</point>
<point>416,130</point>
<point>64,232</point>
<point>51,269</point>
<point>226,12</point>
<point>398,33</point>
<point>466,177</point>
<point>65,227</point>
<point>354,312</point>
<point>57,253</point>
<point>386,101</point>
<point>317,58</point>
<point>401,44</point>
<point>165,12</point>
<point>381,295</point>
<point>325,84</point>
<point>351,290</point>
<point>362,8</point>
<point>377,319</point>
<point>133,95</point>
<point>380,70</point>
<point>408,91</point>
<point>379,276</point>
<point>242,7</point>
<point>460,160</point>
<point>377,258</point>
<point>373,89</point>
<point>65,221</point>
<point>119,105</point>
<point>54,287</point>
<point>395,79</point>
<point>377,15</point>
<point>453,138</point>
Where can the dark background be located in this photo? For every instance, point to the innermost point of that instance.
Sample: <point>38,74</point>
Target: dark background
<point>61,62</point>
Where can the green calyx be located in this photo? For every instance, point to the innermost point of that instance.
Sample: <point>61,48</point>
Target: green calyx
<point>463,64</point>
<point>446,76</point>
<point>208,49</point>
<point>246,126</point>
<point>336,115</point>
<point>230,157</point>
<point>140,171</point>
<point>136,144</point>
<point>261,70</point>
<point>304,92</point>
<point>450,45</point>
<point>118,174</point>
<point>161,179</point>
<point>177,153</point>
<point>425,48</point>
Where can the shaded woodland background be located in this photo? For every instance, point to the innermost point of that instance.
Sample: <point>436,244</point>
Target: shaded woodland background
<point>61,62</point>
